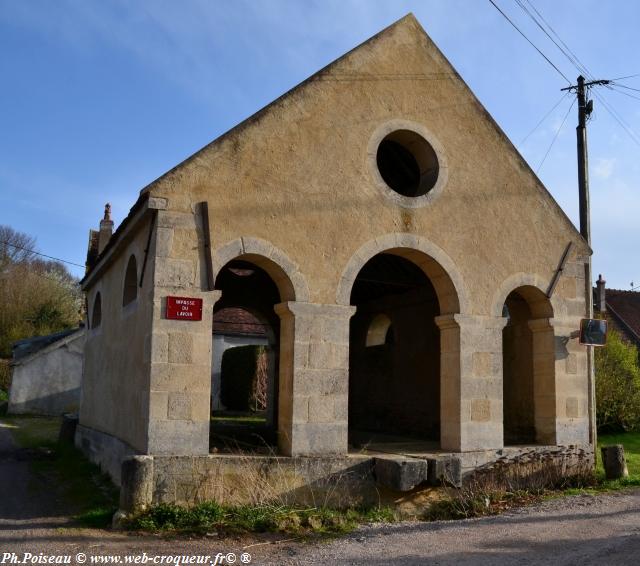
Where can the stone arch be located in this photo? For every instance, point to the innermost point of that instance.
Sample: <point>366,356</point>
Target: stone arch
<point>130,282</point>
<point>437,265</point>
<point>532,288</point>
<point>284,272</point>
<point>96,312</point>
<point>528,365</point>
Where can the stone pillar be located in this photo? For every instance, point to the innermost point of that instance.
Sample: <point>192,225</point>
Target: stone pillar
<point>313,392</point>
<point>471,382</point>
<point>571,388</point>
<point>179,351</point>
<point>544,380</point>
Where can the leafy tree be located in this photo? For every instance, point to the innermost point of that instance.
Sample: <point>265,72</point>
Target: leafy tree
<point>617,386</point>
<point>36,297</point>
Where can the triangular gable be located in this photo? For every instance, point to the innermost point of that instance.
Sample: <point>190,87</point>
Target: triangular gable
<point>409,22</point>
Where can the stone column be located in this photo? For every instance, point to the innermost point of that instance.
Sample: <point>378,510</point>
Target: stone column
<point>570,386</point>
<point>544,382</point>
<point>471,382</point>
<point>313,393</point>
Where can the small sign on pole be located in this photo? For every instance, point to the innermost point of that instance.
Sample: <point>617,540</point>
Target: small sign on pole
<point>593,332</point>
<point>184,308</point>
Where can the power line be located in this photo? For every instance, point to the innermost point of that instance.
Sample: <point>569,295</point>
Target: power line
<point>627,77</point>
<point>6,243</point>
<point>556,136</point>
<point>614,89</point>
<point>583,69</point>
<point>567,53</point>
<point>620,120</point>
<point>577,63</point>
<point>544,118</point>
<point>627,87</point>
<point>531,42</point>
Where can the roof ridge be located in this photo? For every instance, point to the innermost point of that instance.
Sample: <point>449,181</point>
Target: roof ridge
<point>627,291</point>
<point>258,113</point>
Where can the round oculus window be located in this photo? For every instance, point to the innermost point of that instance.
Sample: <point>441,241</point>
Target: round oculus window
<point>407,163</point>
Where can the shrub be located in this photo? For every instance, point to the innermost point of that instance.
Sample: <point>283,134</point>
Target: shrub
<point>617,386</point>
<point>513,482</point>
<point>5,375</point>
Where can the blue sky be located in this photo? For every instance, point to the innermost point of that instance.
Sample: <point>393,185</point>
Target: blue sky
<point>98,98</point>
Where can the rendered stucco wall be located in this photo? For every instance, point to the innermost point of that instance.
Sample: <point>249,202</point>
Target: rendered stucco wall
<point>48,383</point>
<point>115,392</point>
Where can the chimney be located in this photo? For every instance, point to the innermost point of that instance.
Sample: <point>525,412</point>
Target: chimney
<point>106,229</point>
<point>601,304</point>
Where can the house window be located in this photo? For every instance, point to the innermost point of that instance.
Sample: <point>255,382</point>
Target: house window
<point>96,315</point>
<point>130,291</point>
<point>407,163</point>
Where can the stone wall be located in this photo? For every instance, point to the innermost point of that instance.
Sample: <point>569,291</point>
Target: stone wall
<point>117,353</point>
<point>48,382</point>
<point>319,481</point>
<point>296,191</point>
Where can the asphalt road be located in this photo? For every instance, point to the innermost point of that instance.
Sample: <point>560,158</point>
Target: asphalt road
<point>584,530</point>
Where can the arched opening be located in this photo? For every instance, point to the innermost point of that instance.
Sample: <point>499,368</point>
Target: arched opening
<point>96,313</point>
<point>379,330</point>
<point>130,289</point>
<point>528,362</point>
<point>394,362</point>
<point>246,342</point>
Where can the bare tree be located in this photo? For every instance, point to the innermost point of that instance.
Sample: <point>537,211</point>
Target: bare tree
<point>15,247</point>
<point>37,296</point>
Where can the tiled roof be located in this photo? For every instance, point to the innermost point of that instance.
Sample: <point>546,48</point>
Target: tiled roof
<point>624,308</point>
<point>92,251</point>
<point>28,346</point>
<point>232,320</point>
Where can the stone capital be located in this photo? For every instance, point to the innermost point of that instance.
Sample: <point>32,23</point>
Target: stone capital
<point>296,308</point>
<point>541,324</point>
<point>447,321</point>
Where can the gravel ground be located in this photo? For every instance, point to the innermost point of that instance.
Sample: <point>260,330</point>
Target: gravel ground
<point>582,530</point>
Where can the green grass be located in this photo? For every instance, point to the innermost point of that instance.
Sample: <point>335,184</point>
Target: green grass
<point>4,396</point>
<point>210,516</point>
<point>81,486</point>
<point>33,432</point>
<point>631,443</point>
<point>240,419</point>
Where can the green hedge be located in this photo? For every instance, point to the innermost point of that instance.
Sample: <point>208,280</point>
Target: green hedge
<point>5,375</point>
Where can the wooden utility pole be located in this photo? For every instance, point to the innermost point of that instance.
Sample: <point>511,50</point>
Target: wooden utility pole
<point>585,107</point>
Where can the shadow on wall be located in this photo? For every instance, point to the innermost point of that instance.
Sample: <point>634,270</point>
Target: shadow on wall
<point>55,404</point>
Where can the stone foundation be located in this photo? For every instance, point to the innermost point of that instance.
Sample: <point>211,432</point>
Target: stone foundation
<point>345,481</point>
<point>105,450</point>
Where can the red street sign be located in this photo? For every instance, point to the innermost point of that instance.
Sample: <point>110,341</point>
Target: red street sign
<point>184,308</point>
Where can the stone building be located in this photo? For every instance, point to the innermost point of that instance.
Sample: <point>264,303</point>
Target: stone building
<point>47,373</point>
<point>621,308</point>
<point>423,288</point>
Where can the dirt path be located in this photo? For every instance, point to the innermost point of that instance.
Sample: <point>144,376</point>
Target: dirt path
<point>583,530</point>
<point>22,496</point>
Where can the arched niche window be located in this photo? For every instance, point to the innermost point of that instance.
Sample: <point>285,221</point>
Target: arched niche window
<point>130,291</point>
<point>96,314</point>
<point>379,331</point>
